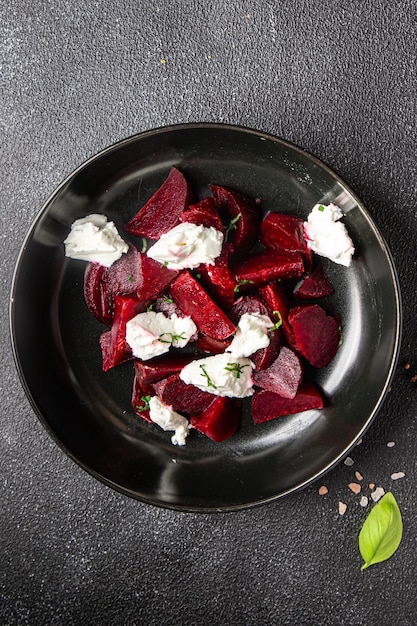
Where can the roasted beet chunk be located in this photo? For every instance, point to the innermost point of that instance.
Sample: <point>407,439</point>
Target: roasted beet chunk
<point>266,266</point>
<point>219,420</point>
<point>113,343</point>
<point>267,405</point>
<point>160,367</point>
<point>317,285</point>
<point>204,213</point>
<point>156,278</point>
<point>283,377</point>
<point>163,210</point>
<point>194,301</point>
<point>218,279</point>
<point>243,217</point>
<point>283,232</point>
<point>182,397</point>
<point>317,334</point>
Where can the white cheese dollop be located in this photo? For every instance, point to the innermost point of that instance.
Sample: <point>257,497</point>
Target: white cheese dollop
<point>164,416</point>
<point>93,238</point>
<point>327,236</point>
<point>186,246</point>
<point>221,375</point>
<point>251,335</point>
<point>151,334</point>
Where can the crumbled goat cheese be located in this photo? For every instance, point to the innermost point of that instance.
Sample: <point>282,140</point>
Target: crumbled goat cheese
<point>327,236</point>
<point>186,246</point>
<point>93,238</point>
<point>151,334</point>
<point>167,419</point>
<point>221,375</point>
<point>251,335</point>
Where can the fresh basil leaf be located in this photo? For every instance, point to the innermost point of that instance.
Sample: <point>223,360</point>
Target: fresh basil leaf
<point>381,532</point>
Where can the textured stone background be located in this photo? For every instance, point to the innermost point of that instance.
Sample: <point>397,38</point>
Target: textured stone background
<point>336,78</point>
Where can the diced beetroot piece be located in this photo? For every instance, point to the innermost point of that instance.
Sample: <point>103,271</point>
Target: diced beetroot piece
<point>283,232</point>
<point>156,277</point>
<point>283,377</point>
<point>214,346</point>
<point>163,210</point>
<point>194,301</point>
<point>153,370</point>
<point>247,304</point>
<point>205,213</point>
<point>264,357</point>
<point>242,213</point>
<point>115,349</point>
<point>219,420</point>
<point>317,334</point>
<point>218,280</point>
<point>93,293</point>
<point>102,284</point>
<point>140,399</point>
<point>123,278</point>
<point>182,397</point>
<point>267,405</point>
<point>276,298</point>
<point>316,285</point>
<point>266,266</point>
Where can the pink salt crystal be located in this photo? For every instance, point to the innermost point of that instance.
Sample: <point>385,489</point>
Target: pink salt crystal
<point>358,476</point>
<point>342,508</point>
<point>354,487</point>
<point>323,490</point>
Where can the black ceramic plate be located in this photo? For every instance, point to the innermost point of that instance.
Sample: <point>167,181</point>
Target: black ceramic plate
<point>88,412</point>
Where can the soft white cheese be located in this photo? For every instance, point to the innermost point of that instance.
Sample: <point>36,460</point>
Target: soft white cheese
<point>164,416</point>
<point>93,238</point>
<point>186,246</point>
<point>327,236</point>
<point>251,335</point>
<point>151,334</point>
<point>221,375</point>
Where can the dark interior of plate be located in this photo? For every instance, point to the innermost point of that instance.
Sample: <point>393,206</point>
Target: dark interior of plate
<point>89,413</point>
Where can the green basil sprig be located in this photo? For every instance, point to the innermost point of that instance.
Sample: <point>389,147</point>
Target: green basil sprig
<point>382,531</point>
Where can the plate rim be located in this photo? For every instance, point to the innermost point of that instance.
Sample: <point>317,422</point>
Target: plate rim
<point>264,135</point>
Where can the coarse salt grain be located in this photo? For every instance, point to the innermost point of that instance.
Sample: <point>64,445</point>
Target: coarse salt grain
<point>323,490</point>
<point>364,501</point>
<point>397,475</point>
<point>371,485</point>
<point>390,444</point>
<point>377,494</point>
<point>349,462</point>
<point>358,476</point>
<point>354,487</point>
<point>342,508</point>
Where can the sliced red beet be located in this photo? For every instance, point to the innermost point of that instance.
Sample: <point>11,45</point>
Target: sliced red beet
<point>264,357</point>
<point>102,284</point>
<point>156,277</point>
<point>114,348</point>
<point>205,213</point>
<point>219,420</point>
<point>242,214</point>
<point>283,377</point>
<point>194,301</point>
<point>247,304</point>
<point>209,344</point>
<point>182,397</point>
<point>283,232</point>
<point>316,285</point>
<point>267,405</point>
<point>163,210</point>
<point>266,266</point>
<point>218,279</point>
<point>276,297</point>
<point>153,370</point>
<point>316,333</point>
<point>140,399</point>
<point>93,293</point>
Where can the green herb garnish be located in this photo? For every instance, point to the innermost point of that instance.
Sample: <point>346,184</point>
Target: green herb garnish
<point>232,225</point>
<point>144,244</point>
<point>130,278</point>
<point>382,531</point>
<point>237,368</point>
<point>145,406</point>
<point>320,207</point>
<point>206,376</point>
<point>278,324</point>
<point>242,282</point>
<point>173,337</point>
<point>168,299</point>
<point>150,307</point>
